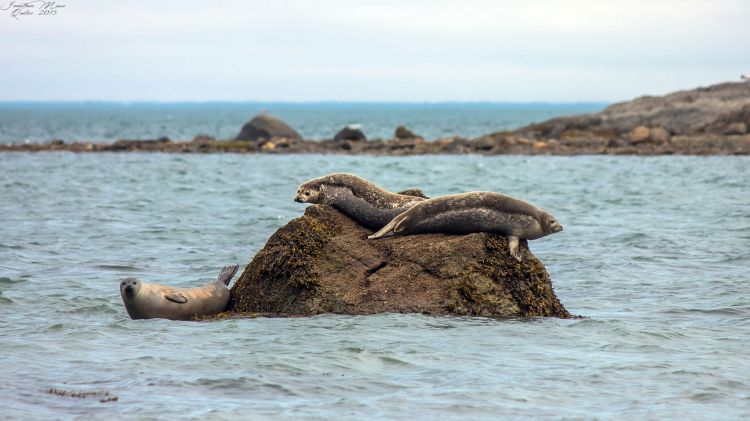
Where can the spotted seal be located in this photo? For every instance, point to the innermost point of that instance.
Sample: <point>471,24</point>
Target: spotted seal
<point>361,200</point>
<point>146,301</point>
<point>475,212</point>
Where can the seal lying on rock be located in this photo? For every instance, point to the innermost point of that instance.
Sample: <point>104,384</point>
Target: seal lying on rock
<point>366,203</point>
<point>146,301</point>
<point>475,212</point>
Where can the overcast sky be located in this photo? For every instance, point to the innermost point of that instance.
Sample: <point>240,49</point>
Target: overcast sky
<point>347,50</point>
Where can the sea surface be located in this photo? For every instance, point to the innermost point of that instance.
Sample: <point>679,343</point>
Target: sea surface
<point>655,255</point>
<point>40,122</point>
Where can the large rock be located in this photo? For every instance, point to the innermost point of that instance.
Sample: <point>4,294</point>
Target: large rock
<point>266,126</point>
<point>403,133</point>
<point>350,133</point>
<point>323,263</point>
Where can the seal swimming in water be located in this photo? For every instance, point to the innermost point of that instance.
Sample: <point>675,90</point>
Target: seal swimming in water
<point>364,202</point>
<point>146,301</point>
<point>475,212</point>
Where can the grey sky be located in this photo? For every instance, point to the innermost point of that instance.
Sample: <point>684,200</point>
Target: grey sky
<point>372,51</point>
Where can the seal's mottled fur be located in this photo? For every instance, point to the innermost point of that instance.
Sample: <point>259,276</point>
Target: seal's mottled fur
<point>361,200</point>
<point>475,212</point>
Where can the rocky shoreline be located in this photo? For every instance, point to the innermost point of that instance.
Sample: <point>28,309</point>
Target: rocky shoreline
<point>712,120</point>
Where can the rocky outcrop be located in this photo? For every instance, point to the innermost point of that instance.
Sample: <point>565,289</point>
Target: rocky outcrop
<point>125,144</point>
<point>266,127</point>
<point>403,133</point>
<point>322,262</point>
<point>689,112</point>
<point>349,133</point>
<point>733,123</point>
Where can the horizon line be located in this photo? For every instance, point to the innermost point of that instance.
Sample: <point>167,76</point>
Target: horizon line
<point>300,102</point>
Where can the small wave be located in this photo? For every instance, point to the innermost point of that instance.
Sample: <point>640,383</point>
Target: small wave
<point>56,327</point>
<point>706,396</point>
<point>630,238</point>
<point>6,280</point>
<point>93,309</point>
<point>393,361</point>
<point>127,268</point>
<point>440,326</point>
<point>727,311</point>
<point>734,259</point>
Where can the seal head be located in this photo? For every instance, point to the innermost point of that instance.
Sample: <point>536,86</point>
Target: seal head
<point>307,194</point>
<point>549,223</point>
<point>130,287</point>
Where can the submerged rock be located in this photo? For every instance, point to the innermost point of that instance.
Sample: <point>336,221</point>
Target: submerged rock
<point>322,262</point>
<point>266,126</point>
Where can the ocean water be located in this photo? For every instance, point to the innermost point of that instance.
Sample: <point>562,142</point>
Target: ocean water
<point>107,122</point>
<point>655,255</point>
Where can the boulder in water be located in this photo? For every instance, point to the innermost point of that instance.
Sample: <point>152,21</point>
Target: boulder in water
<point>323,262</point>
<point>349,133</point>
<point>403,133</point>
<point>266,127</point>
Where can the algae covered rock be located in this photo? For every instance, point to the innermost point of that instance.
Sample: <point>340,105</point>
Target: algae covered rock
<point>323,262</point>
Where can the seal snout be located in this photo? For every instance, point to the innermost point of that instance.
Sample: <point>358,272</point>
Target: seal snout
<point>304,195</point>
<point>129,286</point>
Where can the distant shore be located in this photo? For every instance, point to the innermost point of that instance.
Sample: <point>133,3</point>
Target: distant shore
<point>713,120</point>
<point>494,144</point>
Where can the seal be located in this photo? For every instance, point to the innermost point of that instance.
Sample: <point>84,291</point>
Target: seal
<point>475,212</point>
<point>359,199</point>
<point>146,301</point>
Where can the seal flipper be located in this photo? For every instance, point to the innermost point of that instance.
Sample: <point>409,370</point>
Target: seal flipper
<point>176,297</point>
<point>227,273</point>
<point>513,242</point>
<point>391,228</point>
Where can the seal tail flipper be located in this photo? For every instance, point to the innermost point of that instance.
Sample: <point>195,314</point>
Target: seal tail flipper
<point>391,228</point>
<point>227,273</point>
